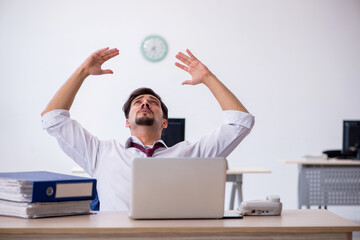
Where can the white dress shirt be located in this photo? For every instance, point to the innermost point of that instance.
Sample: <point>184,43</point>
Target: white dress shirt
<point>110,161</point>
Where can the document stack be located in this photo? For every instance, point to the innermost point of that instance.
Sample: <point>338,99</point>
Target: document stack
<point>45,194</point>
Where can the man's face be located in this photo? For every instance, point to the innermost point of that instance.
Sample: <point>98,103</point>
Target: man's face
<point>145,110</point>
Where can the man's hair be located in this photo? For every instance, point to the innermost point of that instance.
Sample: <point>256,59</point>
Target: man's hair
<point>141,91</point>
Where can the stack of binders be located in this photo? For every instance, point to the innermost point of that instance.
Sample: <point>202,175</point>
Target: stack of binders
<point>45,194</point>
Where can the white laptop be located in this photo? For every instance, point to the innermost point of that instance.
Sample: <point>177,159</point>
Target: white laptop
<point>178,188</point>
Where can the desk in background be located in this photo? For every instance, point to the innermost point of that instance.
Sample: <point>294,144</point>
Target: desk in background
<point>328,182</point>
<point>235,175</point>
<point>292,224</point>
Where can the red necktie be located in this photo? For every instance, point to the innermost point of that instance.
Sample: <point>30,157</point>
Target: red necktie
<point>150,151</point>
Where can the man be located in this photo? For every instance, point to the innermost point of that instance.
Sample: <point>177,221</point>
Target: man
<point>146,116</point>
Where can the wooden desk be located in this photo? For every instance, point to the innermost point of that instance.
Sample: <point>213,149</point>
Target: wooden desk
<point>328,182</point>
<point>235,175</point>
<point>293,224</point>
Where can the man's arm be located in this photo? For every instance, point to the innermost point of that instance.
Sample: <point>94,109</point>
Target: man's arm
<point>65,96</point>
<point>201,74</point>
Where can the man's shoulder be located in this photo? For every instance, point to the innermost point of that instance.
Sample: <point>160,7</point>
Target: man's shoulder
<point>111,144</point>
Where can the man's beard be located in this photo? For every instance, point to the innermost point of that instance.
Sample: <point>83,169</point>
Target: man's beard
<point>144,121</point>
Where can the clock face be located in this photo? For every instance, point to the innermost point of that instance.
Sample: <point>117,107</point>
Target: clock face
<point>154,48</point>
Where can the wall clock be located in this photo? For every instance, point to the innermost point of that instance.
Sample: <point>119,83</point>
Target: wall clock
<point>154,48</point>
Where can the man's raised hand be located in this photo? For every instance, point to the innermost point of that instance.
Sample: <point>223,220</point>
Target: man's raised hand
<point>92,64</point>
<point>197,70</point>
<point>64,97</point>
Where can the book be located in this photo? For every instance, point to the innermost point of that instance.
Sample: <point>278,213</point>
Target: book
<point>45,194</point>
<point>42,186</point>
<point>44,209</point>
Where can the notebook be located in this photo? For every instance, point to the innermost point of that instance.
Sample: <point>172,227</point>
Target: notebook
<point>178,188</point>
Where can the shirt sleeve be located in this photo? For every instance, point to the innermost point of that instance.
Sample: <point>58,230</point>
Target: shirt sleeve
<point>73,139</point>
<point>222,141</point>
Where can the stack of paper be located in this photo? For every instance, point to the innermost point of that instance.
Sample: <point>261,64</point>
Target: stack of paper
<point>316,157</point>
<point>43,209</point>
<point>45,194</point>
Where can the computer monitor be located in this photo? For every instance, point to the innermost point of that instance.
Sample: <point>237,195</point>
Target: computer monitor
<point>351,139</point>
<point>175,132</point>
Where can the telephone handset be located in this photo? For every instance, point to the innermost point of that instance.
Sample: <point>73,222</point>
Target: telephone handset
<point>269,207</point>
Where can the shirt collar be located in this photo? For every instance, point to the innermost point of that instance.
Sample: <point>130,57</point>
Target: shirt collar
<point>136,140</point>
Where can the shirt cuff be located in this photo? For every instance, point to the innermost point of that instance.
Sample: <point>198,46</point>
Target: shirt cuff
<point>54,117</point>
<point>238,118</point>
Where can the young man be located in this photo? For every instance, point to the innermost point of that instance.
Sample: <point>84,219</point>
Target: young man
<point>146,116</point>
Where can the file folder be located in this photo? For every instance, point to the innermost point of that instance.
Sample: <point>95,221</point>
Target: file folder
<point>42,186</point>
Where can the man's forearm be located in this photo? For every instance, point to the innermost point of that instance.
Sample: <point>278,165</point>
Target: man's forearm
<point>65,96</point>
<point>226,99</point>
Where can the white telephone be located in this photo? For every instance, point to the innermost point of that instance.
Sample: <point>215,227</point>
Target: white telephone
<point>269,207</point>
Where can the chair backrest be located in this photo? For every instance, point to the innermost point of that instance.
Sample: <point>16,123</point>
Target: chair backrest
<point>175,132</point>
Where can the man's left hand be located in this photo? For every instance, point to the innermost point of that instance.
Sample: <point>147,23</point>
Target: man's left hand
<point>197,70</point>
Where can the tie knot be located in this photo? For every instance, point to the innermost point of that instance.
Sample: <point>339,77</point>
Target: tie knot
<point>150,151</point>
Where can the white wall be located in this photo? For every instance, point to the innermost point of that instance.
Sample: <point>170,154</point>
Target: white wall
<point>294,64</point>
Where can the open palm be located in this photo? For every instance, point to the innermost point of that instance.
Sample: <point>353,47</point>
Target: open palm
<point>197,70</point>
<point>95,61</point>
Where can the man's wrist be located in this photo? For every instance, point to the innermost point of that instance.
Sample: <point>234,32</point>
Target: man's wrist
<point>82,72</point>
<point>208,79</point>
